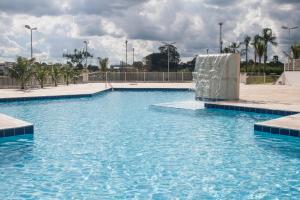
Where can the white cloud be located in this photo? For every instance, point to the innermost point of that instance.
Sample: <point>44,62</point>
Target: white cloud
<point>193,24</point>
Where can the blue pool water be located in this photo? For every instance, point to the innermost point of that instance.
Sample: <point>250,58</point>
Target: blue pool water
<point>114,146</point>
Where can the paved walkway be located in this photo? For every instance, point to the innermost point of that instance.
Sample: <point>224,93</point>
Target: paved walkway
<point>81,89</point>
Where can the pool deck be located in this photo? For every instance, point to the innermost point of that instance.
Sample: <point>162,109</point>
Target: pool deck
<point>270,97</point>
<point>87,89</point>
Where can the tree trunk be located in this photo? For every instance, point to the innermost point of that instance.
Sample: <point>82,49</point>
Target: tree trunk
<point>266,54</point>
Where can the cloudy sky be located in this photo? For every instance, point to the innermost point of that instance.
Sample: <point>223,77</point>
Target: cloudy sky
<point>64,24</point>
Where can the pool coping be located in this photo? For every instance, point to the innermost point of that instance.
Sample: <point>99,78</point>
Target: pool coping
<point>270,126</point>
<point>14,127</point>
<point>45,97</point>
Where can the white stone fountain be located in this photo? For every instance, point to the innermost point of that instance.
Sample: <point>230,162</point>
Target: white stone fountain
<point>217,77</point>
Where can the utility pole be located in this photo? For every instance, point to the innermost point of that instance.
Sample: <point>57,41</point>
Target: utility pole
<point>221,41</point>
<point>168,45</point>
<point>86,56</point>
<point>31,29</point>
<point>132,56</point>
<point>126,42</point>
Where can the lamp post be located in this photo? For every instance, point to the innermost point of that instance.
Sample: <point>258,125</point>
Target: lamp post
<point>221,41</point>
<point>169,44</point>
<point>126,43</point>
<point>289,29</point>
<point>31,29</point>
<point>86,56</point>
<point>132,56</point>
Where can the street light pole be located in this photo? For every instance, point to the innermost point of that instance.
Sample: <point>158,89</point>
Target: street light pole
<point>221,41</point>
<point>31,29</point>
<point>132,56</point>
<point>289,29</point>
<point>126,43</point>
<point>169,44</point>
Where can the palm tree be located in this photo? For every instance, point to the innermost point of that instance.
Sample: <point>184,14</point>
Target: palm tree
<point>234,47</point>
<point>256,39</point>
<point>40,72</point>
<point>260,49</point>
<point>247,40</point>
<point>56,73</point>
<point>103,62</point>
<point>296,51</point>
<point>227,50</point>
<point>268,37</point>
<point>22,70</point>
<point>67,72</point>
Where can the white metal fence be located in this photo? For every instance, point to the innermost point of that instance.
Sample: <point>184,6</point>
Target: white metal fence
<point>140,77</point>
<point>292,65</point>
<point>8,82</point>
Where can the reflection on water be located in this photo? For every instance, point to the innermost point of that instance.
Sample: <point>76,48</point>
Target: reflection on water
<point>14,150</point>
<point>280,144</point>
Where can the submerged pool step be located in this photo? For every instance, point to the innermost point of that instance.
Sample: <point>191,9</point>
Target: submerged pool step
<point>185,105</point>
<point>10,126</point>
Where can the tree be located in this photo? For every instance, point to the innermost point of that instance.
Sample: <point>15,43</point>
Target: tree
<point>40,72</point>
<point>22,70</point>
<point>55,73</point>
<point>260,49</point>
<point>174,55</point>
<point>256,39</point>
<point>68,72</point>
<point>246,42</point>
<point>103,62</point>
<point>159,61</point>
<point>234,47</point>
<point>275,59</point>
<point>296,51</point>
<point>268,37</point>
<point>78,57</point>
<point>227,49</point>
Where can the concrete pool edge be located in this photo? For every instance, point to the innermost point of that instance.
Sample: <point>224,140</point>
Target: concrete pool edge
<point>288,124</point>
<point>10,126</point>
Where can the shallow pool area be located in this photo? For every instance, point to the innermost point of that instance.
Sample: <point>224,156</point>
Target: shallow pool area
<point>116,146</point>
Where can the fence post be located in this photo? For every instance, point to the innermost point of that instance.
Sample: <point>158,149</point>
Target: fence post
<point>163,76</point>
<point>125,77</point>
<point>144,76</point>
<point>181,76</point>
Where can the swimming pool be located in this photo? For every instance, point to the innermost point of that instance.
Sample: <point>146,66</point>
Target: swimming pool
<point>115,146</point>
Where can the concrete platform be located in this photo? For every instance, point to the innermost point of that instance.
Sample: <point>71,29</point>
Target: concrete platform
<point>10,126</point>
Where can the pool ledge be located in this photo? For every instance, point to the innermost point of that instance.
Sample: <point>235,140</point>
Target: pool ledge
<point>288,124</point>
<point>10,126</point>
